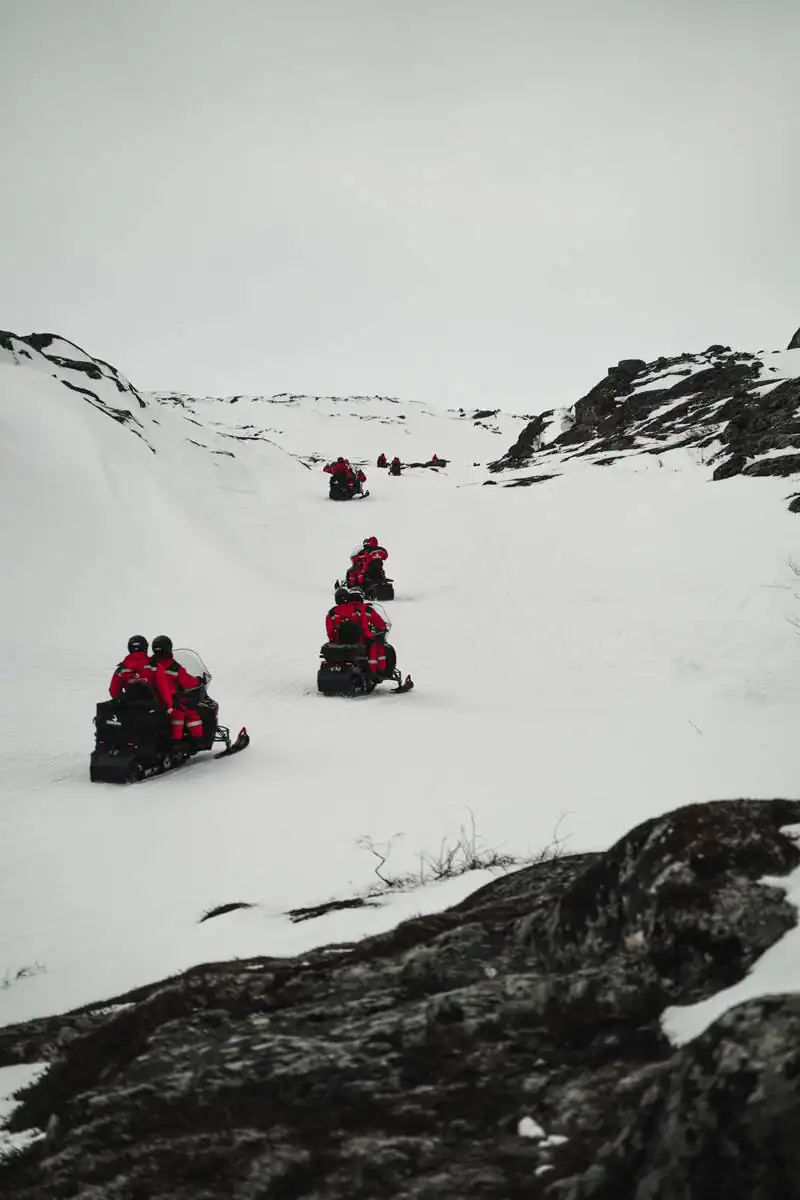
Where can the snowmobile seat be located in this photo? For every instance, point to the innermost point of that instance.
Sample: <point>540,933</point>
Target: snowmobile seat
<point>336,652</point>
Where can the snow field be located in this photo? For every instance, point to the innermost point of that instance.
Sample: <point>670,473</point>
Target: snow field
<point>588,652</point>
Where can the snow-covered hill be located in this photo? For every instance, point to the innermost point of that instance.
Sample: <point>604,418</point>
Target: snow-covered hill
<point>587,655</point>
<point>730,412</point>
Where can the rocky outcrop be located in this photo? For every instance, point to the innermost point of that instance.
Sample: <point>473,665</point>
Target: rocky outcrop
<point>794,344</point>
<point>735,408</point>
<point>508,1047</point>
<point>74,368</point>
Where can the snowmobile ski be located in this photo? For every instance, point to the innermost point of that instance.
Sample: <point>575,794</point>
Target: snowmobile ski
<point>241,743</point>
<point>405,686</point>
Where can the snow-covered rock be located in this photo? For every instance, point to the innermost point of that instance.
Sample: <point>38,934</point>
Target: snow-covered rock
<point>739,411</point>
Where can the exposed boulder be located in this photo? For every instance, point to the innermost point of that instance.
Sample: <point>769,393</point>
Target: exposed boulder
<point>794,344</point>
<point>631,367</point>
<point>509,1047</point>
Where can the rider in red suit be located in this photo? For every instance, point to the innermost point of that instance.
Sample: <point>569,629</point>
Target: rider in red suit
<point>134,668</point>
<point>168,674</point>
<point>372,628</point>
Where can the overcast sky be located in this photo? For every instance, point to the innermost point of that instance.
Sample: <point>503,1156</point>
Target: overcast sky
<point>463,201</point>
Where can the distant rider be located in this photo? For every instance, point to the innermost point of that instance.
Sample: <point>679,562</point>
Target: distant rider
<point>374,556</point>
<point>382,460</point>
<point>396,466</point>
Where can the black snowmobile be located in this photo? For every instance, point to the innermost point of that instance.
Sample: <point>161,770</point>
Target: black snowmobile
<point>375,585</point>
<point>344,670</point>
<point>132,733</point>
<point>339,490</point>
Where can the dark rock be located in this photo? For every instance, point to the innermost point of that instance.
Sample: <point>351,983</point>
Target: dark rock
<point>794,344</point>
<point>401,1066</point>
<point>629,366</point>
<point>527,480</point>
<point>730,467</point>
<point>781,464</point>
<point>527,441</point>
<point>720,1121</point>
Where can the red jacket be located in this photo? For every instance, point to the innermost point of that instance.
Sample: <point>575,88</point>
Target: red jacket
<point>132,668</point>
<point>378,553</point>
<point>170,678</point>
<point>336,468</point>
<point>363,615</point>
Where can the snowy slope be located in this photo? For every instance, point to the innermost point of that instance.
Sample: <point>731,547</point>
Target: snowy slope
<point>317,428</point>
<point>588,652</point>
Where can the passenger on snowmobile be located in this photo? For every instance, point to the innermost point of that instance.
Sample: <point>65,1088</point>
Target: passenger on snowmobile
<point>436,461</point>
<point>353,621</point>
<point>337,469</point>
<point>374,550</point>
<point>396,466</point>
<point>134,668</point>
<point>382,461</point>
<point>171,678</point>
<point>358,479</point>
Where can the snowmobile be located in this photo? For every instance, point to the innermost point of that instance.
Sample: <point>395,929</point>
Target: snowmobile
<point>344,670</point>
<point>133,739</point>
<point>339,490</point>
<point>375,585</point>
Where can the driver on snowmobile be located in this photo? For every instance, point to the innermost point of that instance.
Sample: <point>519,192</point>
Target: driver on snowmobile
<point>370,625</point>
<point>134,668</point>
<point>171,678</point>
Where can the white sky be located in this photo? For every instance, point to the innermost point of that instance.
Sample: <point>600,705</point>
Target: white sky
<point>462,201</point>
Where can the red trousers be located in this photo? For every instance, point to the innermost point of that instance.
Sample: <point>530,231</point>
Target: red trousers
<point>377,658</point>
<point>190,718</point>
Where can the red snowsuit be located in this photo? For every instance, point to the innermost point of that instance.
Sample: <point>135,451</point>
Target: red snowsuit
<point>337,468</point>
<point>136,666</point>
<point>381,460</point>
<point>396,466</point>
<point>370,624</point>
<point>168,677</point>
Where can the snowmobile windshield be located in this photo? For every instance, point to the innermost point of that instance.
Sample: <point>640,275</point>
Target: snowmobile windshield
<point>191,661</point>
<point>381,611</point>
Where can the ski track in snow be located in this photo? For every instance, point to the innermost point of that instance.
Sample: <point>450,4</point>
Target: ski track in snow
<point>588,653</point>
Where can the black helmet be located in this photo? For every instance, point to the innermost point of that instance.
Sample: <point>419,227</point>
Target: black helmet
<point>162,645</point>
<point>137,642</point>
<point>341,595</point>
<point>356,594</point>
<point>340,459</point>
